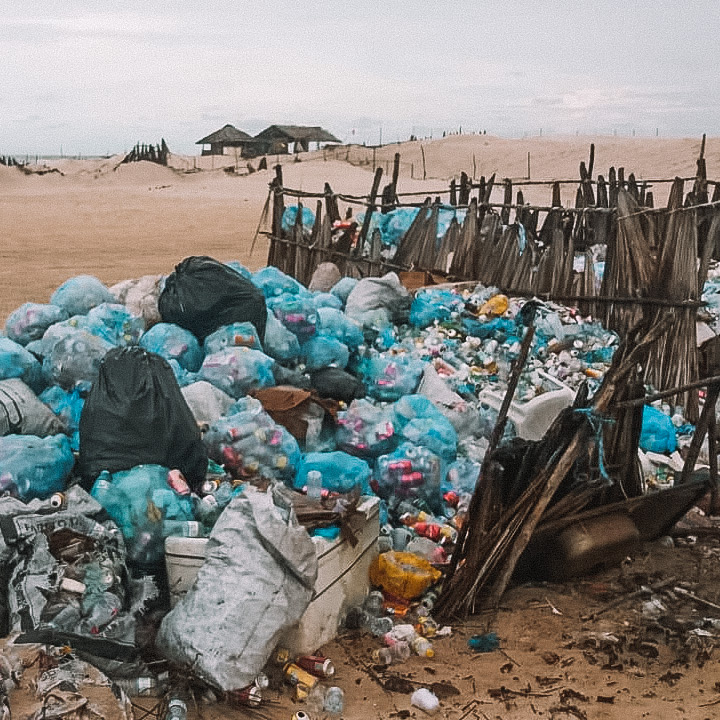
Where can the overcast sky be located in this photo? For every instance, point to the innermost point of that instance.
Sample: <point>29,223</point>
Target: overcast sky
<point>97,76</point>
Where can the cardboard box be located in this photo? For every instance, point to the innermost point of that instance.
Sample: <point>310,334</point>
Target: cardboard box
<point>342,576</point>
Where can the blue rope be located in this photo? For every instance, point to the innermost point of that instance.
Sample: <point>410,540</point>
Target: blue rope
<point>597,423</point>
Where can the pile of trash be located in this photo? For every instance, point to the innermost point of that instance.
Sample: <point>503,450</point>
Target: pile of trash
<point>165,407</point>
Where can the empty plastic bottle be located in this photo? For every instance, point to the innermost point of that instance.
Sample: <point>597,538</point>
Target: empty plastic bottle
<point>314,484</point>
<point>334,701</point>
<point>176,709</point>
<point>373,604</point>
<point>423,647</point>
<point>381,625</point>
<point>399,652</point>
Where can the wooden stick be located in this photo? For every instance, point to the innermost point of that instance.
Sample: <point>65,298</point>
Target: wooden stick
<point>700,431</point>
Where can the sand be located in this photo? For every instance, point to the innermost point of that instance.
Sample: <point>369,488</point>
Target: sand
<point>121,221</point>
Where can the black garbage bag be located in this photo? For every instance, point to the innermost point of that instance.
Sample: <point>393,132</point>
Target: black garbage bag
<point>202,294</point>
<point>135,414</point>
<point>337,384</point>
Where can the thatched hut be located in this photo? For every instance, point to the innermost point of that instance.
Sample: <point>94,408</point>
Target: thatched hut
<point>228,140</point>
<point>283,139</point>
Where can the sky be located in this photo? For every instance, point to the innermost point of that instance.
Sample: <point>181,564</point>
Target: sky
<point>90,77</point>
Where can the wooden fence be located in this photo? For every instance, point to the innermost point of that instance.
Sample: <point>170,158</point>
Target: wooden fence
<point>656,259</point>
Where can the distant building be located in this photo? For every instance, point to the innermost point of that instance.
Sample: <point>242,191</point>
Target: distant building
<point>282,139</point>
<point>228,140</point>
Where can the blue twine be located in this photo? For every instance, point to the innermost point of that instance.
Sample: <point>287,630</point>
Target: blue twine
<point>597,423</point>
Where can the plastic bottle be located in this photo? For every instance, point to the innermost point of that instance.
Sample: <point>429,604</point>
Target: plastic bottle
<point>143,685</point>
<point>314,484</point>
<point>423,647</point>
<point>334,701</point>
<point>381,625</point>
<point>399,652</point>
<point>373,604</point>
<point>182,528</point>
<point>176,709</point>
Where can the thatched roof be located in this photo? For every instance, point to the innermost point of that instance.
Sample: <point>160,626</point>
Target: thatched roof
<point>227,134</point>
<point>292,133</point>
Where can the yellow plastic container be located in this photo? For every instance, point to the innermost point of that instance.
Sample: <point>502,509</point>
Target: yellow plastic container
<point>403,574</point>
<point>496,305</point>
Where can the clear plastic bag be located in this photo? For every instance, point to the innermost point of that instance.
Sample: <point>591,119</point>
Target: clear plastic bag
<point>78,295</point>
<point>174,343</point>
<point>238,370</point>
<point>30,321</point>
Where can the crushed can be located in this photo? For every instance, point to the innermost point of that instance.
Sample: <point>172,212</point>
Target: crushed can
<point>317,665</point>
<point>176,480</point>
<point>250,696</point>
<point>300,678</point>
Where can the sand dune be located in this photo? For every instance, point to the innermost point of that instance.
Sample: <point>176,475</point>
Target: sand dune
<point>118,221</point>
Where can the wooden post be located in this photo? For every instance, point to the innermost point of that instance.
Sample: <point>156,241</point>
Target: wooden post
<point>700,429</point>
<point>278,210</point>
<point>395,176</point>
<point>422,151</point>
<point>369,210</point>
<point>507,202</point>
<point>465,187</point>
<point>453,193</point>
<point>528,173</point>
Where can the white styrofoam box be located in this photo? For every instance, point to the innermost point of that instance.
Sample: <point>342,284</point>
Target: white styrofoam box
<point>342,576</point>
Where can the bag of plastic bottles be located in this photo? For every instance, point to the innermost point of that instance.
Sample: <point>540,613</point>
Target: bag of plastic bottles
<point>289,218</point>
<point>237,370</point>
<point>206,402</point>
<point>344,287</point>
<point>135,414</point>
<point>17,362</point>
<point>438,436</point>
<point>140,296</point>
<point>115,323</point>
<point>658,432</point>
<point>462,475</point>
<point>43,347</point>
<point>326,300</point>
<point>431,305</point>
<point>202,294</point>
<point>334,323</point>
<point>340,472</point>
<point>389,377</point>
<point>21,413</point>
<point>366,430</point>
<point>235,335</point>
<point>33,467</point>
<point>174,343</point>
<point>274,282</point>
<point>141,501</point>
<point>321,352</point>
<point>296,313</point>
<point>411,473</point>
<point>30,321</point>
<point>75,361</point>
<point>78,295</point>
<point>247,442</point>
<point>68,408</point>
<point>279,343</point>
<point>372,294</point>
